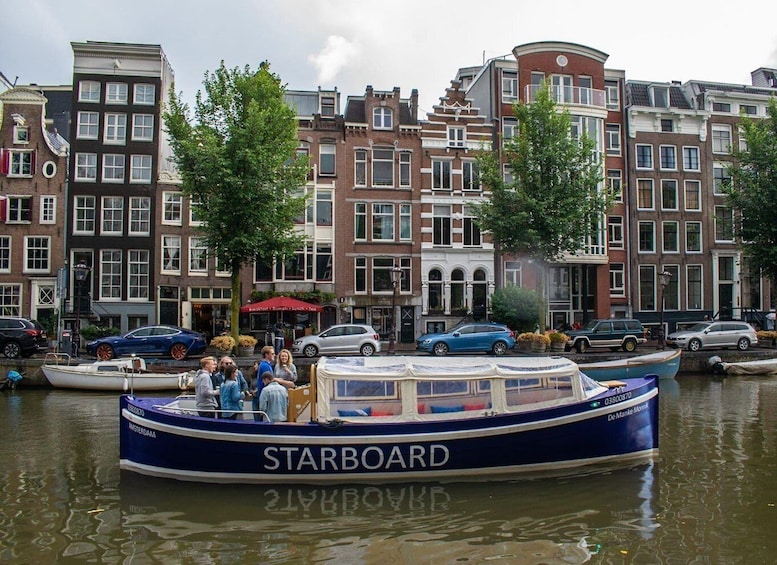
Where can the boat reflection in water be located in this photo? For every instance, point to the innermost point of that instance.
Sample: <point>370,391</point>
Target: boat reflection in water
<point>548,520</point>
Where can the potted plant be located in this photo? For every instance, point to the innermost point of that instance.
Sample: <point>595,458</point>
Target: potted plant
<point>245,345</point>
<point>540,342</point>
<point>766,338</point>
<point>524,341</point>
<point>224,343</point>
<point>557,341</point>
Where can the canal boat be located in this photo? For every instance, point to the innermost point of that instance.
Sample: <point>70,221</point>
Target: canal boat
<point>122,374</point>
<point>664,363</point>
<point>757,367</point>
<point>404,418</point>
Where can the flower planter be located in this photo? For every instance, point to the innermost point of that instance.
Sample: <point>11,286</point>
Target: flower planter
<point>557,346</point>
<point>244,351</point>
<point>523,346</point>
<point>538,347</point>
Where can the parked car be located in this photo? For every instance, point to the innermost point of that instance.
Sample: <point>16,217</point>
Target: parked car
<point>19,337</point>
<point>43,337</point>
<point>706,335</point>
<point>610,333</point>
<point>470,337</point>
<point>178,343</point>
<point>354,339</point>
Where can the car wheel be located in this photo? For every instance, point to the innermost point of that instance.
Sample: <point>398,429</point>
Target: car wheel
<point>743,344</point>
<point>440,349</point>
<point>629,345</point>
<point>310,351</point>
<point>12,350</point>
<point>367,349</point>
<point>178,351</point>
<point>581,346</point>
<point>104,352</point>
<point>499,348</point>
<point>694,345</point>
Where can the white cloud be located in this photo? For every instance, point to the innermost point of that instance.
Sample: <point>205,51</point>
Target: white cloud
<point>336,54</point>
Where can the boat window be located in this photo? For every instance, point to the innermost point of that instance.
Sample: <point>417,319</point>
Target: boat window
<point>441,388</point>
<point>532,390</point>
<point>362,390</point>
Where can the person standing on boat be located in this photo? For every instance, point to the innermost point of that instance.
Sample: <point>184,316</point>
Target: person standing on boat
<point>231,395</point>
<point>220,376</point>
<point>204,393</point>
<point>274,398</point>
<point>285,368</point>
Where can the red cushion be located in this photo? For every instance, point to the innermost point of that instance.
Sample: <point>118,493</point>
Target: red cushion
<point>421,407</point>
<point>474,406</point>
<point>379,413</point>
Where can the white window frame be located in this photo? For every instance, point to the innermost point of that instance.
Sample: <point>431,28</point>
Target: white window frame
<point>643,167</point>
<point>652,184</point>
<point>138,275</point>
<point>19,209</point>
<point>84,214</point>
<point>171,262</point>
<point>381,156</point>
<point>615,183</point>
<point>470,228</point>
<point>615,232</point>
<point>327,151</point>
<point>613,143</point>
<point>382,118</point>
<point>671,152</point>
<point>21,135</point>
<point>617,279</point>
<point>719,180</point>
<point>142,127</point>
<point>721,139</point>
<point>172,208</point>
<point>405,222</point>
<point>39,245</point>
<point>111,275</point>
<point>88,126</point>
<point>139,216</point>
<point>116,93</point>
<point>20,164</point>
<point>382,216</point>
<point>114,168</point>
<point>6,248</point>
<point>198,256</point>
<point>457,136</point>
<point>112,216</point>
<point>652,225</point>
<point>442,174</point>
<point>89,91</point>
<point>48,209</point>
<point>470,176</point>
<point>697,184</point>
<point>360,224</point>
<point>612,95</point>
<point>86,167</point>
<point>701,238</point>
<point>360,167</point>
<point>509,86</point>
<point>664,244</point>
<point>141,169</point>
<point>665,183</point>
<point>144,94</point>
<point>115,130</point>
<point>441,213</point>
<point>691,155</point>
<point>405,169</point>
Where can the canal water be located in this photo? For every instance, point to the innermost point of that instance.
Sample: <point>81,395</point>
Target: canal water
<point>710,497</point>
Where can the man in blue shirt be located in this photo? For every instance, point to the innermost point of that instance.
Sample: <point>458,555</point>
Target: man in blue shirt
<point>274,398</point>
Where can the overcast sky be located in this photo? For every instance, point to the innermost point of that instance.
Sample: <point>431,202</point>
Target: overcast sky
<point>350,44</point>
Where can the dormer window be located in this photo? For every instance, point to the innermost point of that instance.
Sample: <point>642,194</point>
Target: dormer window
<point>21,134</point>
<point>457,136</point>
<point>660,95</point>
<point>328,106</point>
<point>382,118</point>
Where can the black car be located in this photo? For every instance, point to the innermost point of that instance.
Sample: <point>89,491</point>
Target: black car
<point>18,337</point>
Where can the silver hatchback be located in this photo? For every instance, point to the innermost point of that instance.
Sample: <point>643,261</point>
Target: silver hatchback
<point>710,335</point>
<point>355,339</point>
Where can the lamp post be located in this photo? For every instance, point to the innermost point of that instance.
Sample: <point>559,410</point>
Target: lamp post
<point>663,279</point>
<point>396,277</point>
<point>80,272</point>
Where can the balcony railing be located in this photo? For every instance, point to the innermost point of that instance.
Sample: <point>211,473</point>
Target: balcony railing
<point>570,95</point>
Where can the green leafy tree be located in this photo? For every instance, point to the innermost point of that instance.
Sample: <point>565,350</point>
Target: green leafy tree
<point>237,159</point>
<point>752,193</point>
<point>552,203</point>
<point>517,307</point>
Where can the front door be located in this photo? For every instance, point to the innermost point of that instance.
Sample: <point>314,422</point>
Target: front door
<point>407,324</point>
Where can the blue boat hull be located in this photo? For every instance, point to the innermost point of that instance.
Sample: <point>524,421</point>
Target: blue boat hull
<point>620,425</point>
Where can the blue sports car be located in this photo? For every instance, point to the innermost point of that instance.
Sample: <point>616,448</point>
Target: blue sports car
<point>178,343</point>
<point>471,337</point>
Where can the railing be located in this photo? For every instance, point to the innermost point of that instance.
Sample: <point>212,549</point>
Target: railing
<point>572,95</point>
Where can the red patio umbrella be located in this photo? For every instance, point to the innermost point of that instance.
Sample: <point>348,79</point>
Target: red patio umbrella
<point>281,304</point>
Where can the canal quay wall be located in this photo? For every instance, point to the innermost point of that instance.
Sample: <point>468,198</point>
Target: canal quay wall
<point>690,362</point>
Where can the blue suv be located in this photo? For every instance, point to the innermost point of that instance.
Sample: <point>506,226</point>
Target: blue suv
<point>471,337</point>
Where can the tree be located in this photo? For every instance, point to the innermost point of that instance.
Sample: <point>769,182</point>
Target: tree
<point>238,162</point>
<point>517,308</point>
<point>552,202</point>
<point>752,193</point>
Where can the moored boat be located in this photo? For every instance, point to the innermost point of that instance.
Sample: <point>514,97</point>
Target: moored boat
<point>757,367</point>
<point>665,364</point>
<point>394,418</point>
<point>123,374</point>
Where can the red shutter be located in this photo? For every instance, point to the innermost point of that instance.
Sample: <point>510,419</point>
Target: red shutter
<point>4,160</point>
<point>3,208</point>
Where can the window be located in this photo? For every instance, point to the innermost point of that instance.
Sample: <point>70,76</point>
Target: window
<point>644,156</point>
<point>84,215</point>
<point>615,182</point>
<point>139,274</point>
<point>21,135</point>
<point>381,274</point>
<point>693,195</point>
<point>88,91</point>
<point>88,126</point>
<point>660,96</point>
<point>324,208</point>
<point>647,287</point>
<point>5,255</point>
<point>110,274</point>
<point>113,215</point>
<point>405,223</point>
<point>113,168</point>
<point>509,86</point>
<point>691,159</point>
<point>198,255</point>
<point>471,229</point>
<point>37,253</point>
<point>360,167</point>
<point>742,140</point>
<point>693,237</point>
<point>671,294</point>
<point>507,174</point>
<point>19,210</point>
<point>48,210</point>
<point>21,163</point>
<point>383,167</point>
<point>724,223</point>
<point>509,128</point>
<point>720,178</point>
<point>721,138</point>
<point>617,279</point>
<point>667,126</point>
<point>173,206</point>
<point>669,195</point>
<point>586,84</point>
<point>140,215</point>
<point>382,118</point>
<point>86,166</point>
<point>613,139</point>
<point>142,127</point>
<point>360,274</point>
<point>613,94</point>
<point>457,290</point>
<point>327,106</point>
<point>115,129</point>
<point>668,157</point>
<point>645,194</point>
<point>671,240</point>
<point>441,174</point>
<point>513,273</point>
<point>196,212</point>
<point>360,221</point>
<point>116,93</point>
<point>615,231</point>
<point>141,169</point>
<point>326,159</point>
<point>470,175</point>
<point>435,291</point>
<point>382,222</point>
<point>748,109</point>
<point>721,107</point>
<point>647,237</point>
<point>404,169</point>
<point>693,275</point>
<point>145,94</point>
<point>457,136</point>
<point>171,254</point>
<point>442,225</point>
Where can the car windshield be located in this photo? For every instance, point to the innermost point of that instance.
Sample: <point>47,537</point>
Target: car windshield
<point>591,325</point>
<point>699,327</point>
<point>455,329</point>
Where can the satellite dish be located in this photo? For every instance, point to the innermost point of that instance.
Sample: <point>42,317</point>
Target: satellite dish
<point>562,60</point>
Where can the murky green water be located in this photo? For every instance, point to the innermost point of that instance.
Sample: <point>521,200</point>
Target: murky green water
<point>709,498</point>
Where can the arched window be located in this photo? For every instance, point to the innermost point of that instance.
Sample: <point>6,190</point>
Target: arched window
<point>435,290</point>
<point>479,294</point>
<point>457,290</point>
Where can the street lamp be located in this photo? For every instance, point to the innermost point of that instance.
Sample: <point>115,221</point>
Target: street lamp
<point>396,277</point>
<point>80,272</point>
<point>663,279</point>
